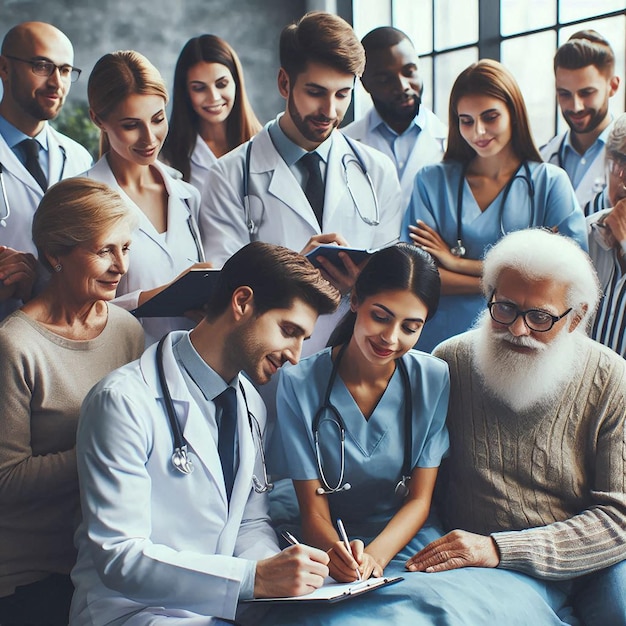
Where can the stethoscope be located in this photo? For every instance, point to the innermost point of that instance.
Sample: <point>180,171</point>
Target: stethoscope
<point>459,250</point>
<point>180,457</point>
<point>328,412</point>
<point>559,153</point>
<point>3,189</point>
<point>348,162</point>
<point>598,184</point>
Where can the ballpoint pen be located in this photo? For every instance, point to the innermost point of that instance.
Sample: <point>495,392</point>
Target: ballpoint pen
<point>289,538</point>
<point>344,538</point>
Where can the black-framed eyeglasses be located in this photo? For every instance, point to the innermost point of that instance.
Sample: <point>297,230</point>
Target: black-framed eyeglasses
<point>46,68</point>
<point>536,319</point>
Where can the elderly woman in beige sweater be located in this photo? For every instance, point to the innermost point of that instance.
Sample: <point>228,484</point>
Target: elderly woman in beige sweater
<point>53,350</point>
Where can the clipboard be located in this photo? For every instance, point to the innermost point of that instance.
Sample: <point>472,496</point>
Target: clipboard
<point>189,292</point>
<point>336,592</point>
<point>331,252</point>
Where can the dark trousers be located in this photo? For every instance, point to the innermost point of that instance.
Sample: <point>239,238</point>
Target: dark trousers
<point>46,602</point>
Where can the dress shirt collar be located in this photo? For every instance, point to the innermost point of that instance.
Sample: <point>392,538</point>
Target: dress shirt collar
<point>13,135</point>
<point>291,152</point>
<point>416,124</point>
<point>210,383</point>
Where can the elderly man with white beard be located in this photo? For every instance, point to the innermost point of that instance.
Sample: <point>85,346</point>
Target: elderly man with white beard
<point>537,468</point>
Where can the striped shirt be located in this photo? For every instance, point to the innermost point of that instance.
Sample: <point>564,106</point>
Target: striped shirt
<point>609,325</point>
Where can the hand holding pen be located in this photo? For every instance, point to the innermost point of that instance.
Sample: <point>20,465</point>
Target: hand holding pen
<point>348,547</point>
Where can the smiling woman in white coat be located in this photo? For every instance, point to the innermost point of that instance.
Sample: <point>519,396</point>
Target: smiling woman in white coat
<point>211,114</point>
<point>127,99</point>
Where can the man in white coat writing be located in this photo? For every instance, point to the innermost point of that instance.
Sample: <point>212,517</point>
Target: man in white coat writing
<point>175,516</point>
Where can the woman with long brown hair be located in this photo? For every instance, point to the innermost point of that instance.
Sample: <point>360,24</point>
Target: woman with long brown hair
<point>211,113</point>
<point>492,181</point>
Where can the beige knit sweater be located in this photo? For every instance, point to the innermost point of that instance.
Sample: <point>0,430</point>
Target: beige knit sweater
<point>44,380</point>
<point>549,485</point>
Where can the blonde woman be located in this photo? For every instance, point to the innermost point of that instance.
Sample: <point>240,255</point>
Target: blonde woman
<point>53,350</point>
<point>127,99</point>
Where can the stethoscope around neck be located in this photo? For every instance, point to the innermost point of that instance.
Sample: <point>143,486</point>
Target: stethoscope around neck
<point>180,457</point>
<point>346,161</point>
<point>328,412</point>
<point>459,249</point>
<point>3,190</point>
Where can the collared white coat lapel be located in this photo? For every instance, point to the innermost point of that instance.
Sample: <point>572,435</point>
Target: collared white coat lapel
<point>282,184</point>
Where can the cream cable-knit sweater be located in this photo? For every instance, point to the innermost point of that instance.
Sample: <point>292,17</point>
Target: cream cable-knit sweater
<point>549,486</point>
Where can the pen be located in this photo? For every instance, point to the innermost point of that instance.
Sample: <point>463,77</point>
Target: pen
<point>344,538</point>
<point>289,538</point>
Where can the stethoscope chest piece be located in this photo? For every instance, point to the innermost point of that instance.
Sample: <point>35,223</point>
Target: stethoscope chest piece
<point>459,249</point>
<point>402,488</point>
<point>181,460</point>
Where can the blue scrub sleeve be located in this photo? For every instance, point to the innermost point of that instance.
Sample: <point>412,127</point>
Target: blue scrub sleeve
<point>294,424</point>
<point>436,440</point>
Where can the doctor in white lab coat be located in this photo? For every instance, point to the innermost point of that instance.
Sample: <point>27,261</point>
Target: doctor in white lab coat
<point>127,99</point>
<point>155,542</point>
<point>155,258</point>
<point>585,80</point>
<point>279,210</point>
<point>29,100</point>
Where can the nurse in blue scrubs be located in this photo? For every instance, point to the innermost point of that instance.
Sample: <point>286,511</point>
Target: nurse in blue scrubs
<point>381,394</point>
<point>491,181</point>
<point>378,410</point>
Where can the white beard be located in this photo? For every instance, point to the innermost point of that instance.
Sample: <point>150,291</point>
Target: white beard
<point>524,380</point>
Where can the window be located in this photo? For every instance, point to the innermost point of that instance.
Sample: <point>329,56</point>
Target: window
<point>449,35</point>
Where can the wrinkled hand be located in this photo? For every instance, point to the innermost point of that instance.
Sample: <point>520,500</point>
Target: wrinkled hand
<point>616,220</point>
<point>296,571</point>
<point>458,548</point>
<point>343,564</point>
<point>18,272</point>
<point>430,240</point>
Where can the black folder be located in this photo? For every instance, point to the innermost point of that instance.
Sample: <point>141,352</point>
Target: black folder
<point>191,291</point>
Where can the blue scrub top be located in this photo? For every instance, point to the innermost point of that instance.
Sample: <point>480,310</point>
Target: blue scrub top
<point>434,201</point>
<point>374,448</point>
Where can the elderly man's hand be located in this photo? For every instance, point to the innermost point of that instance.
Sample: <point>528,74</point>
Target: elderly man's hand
<point>616,220</point>
<point>458,548</point>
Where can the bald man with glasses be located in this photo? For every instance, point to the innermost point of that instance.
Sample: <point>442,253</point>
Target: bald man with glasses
<point>37,70</point>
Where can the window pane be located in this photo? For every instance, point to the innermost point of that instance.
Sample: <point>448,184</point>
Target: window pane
<point>456,23</point>
<point>517,17</point>
<point>571,10</point>
<point>368,14</point>
<point>415,18</point>
<point>447,67</point>
<point>536,80</point>
<point>425,69</point>
<point>614,30</point>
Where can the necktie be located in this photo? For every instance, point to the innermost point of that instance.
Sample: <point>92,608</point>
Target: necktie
<point>227,401</point>
<point>314,188</point>
<point>31,149</point>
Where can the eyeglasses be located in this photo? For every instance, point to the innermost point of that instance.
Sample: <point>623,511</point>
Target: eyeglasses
<point>536,319</point>
<point>46,68</point>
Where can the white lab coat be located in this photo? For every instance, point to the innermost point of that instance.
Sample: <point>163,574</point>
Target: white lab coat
<point>201,160</point>
<point>428,148</point>
<point>154,541</point>
<point>156,258</point>
<point>67,158</point>
<point>594,180</point>
<point>281,209</point>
